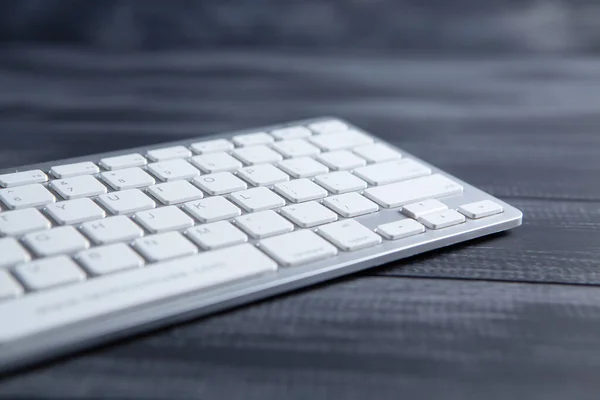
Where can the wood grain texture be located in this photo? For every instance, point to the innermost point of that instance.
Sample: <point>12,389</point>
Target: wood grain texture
<point>514,315</point>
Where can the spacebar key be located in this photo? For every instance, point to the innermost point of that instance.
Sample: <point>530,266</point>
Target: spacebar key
<point>38,312</point>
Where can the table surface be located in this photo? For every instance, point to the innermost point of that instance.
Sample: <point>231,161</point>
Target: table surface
<point>515,315</point>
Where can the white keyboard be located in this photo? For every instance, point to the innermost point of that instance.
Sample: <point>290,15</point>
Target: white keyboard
<point>105,246</point>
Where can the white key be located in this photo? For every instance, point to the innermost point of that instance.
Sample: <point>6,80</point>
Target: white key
<point>71,170</point>
<point>257,155</point>
<point>164,219</point>
<point>420,208</point>
<point>20,197</point>
<point>297,248</point>
<point>73,212</point>
<point>63,240</point>
<point>479,209</point>
<point>340,141</point>
<point>126,202</point>
<point>169,153</point>
<point>22,178</point>
<point>349,235</point>
<point>216,235</point>
<point>341,160</point>
<point>296,148</point>
<point>303,167</point>
<point>212,209</point>
<point>12,253</point>
<point>131,178</point>
<point>173,170</point>
<point>350,204</point>
<point>220,183</point>
<point>175,192</point>
<point>216,162</point>
<point>112,230</point>
<point>211,146</point>
<point>406,192</point>
<point>257,199</point>
<point>119,292</point>
<point>377,152</point>
<point>49,272</point>
<point>262,175</point>
<point>393,171</point>
<point>442,219</point>
<point>126,161</point>
<point>341,182</point>
<point>252,139</point>
<point>17,223</point>
<point>291,132</point>
<point>109,259</point>
<point>400,229</point>
<point>164,246</point>
<point>264,224</point>
<point>9,287</point>
<point>328,126</point>
<point>78,187</point>
<point>309,214</point>
<point>300,190</point>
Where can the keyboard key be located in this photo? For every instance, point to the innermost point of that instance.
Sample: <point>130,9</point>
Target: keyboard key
<point>479,209</point>
<point>262,175</point>
<point>73,212</point>
<point>349,235</point>
<point>400,229</point>
<point>340,141</point>
<point>121,162</point>
<point>164,219</point>
<point>394,171</point>
<point>328,126</point>
<point>112,230</point>
<point>296,148</point>
<point>401,193</point>
<point>63,240</point>
<point>216,162</point>
<point>78,187</point>
<point>291,132</point>
<point>341,160</point>
<point>216,235</point>
<point>20,197</point>
<point>9,287</point>
<point>126,202</point>
<point>442,219</point>
<point>297,248</point>
<point>212,146</point>
<point>350,204</point>
<point>173,170</point>
<point>220,183</point>
<point>49,272</point>
<point>309,214</point>
<point>108,259</point>
<point>341,182</point>
<point>169,153</point>
<point>212,209</point>
<point>252,139</point>
<point>17,223</point>
<point>300,190</point>
<point>164,246</point>
<point>131,178</point>
<point>71,170</point>
<point>303,167</point>
<point>257,199</point>
<point>175,192</point>
<point>257,155</point>
<point>22,178</point>
<point>377,152</point>
<point>264,224</point>
<point>420,208</point>
<point>11,253</point>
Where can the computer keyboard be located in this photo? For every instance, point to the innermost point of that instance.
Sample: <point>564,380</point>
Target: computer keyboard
<point>100,247</point>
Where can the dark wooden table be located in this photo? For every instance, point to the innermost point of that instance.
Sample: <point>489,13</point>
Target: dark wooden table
<point>512,316</point>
